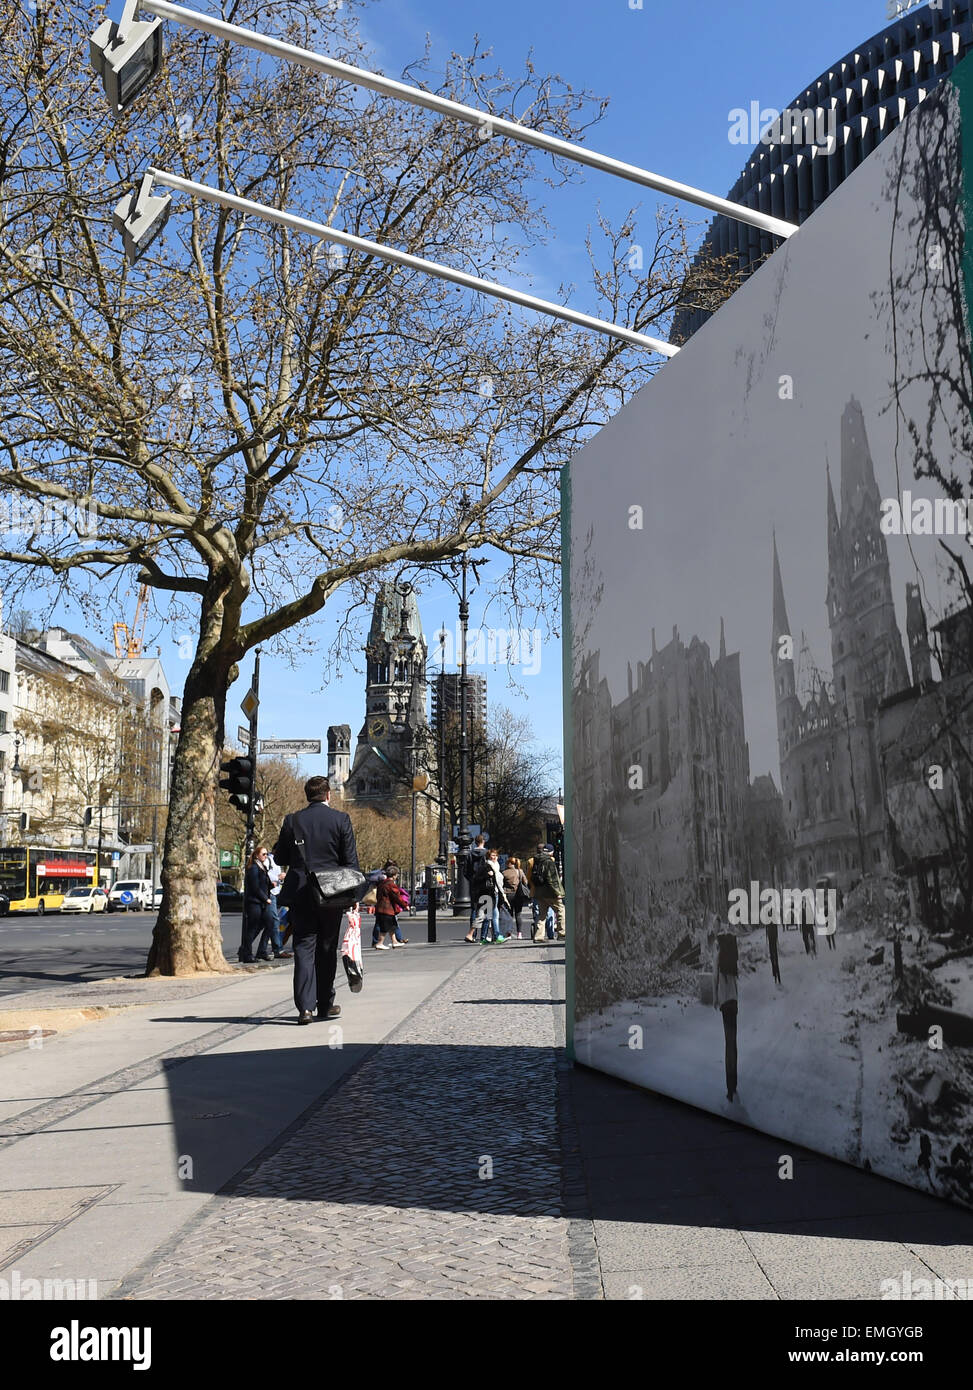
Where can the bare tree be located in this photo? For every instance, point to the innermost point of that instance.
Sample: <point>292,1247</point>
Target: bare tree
<point>521,780</point>
<point>263,426</point>
<point>380,838</point>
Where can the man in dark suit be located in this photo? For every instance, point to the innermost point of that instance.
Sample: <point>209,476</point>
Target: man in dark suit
<point>329,843</point>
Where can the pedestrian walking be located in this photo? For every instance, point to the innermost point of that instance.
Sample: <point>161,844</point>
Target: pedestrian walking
<point>487,892</point>
<point>548,890</point>
<point>389,903</point>
<point>370,899</point>
<point>259,917</point>
<point>328,843</point>
<point>475,860</point>
<point>726,999</point>
<point>276,875</point>
<point>517,890</point>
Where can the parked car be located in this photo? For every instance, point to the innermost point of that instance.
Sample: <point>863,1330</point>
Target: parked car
<point>229,898</point>
<point>157,897</point>
<point>137,891</point>
<point>85,900</point>
<point>4,904</point>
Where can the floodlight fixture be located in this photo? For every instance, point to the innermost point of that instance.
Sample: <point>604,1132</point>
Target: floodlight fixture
<point>127,56</point>
<point>140,217</point>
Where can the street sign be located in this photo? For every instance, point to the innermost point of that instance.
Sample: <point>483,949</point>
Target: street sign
<point>115,856</point>
<point>243,735</point>
<point>249,704</point>
<point>290,745</point>
<point>229,859</point>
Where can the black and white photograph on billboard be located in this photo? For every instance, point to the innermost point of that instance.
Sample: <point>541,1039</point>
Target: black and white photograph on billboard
<point>771,601</point>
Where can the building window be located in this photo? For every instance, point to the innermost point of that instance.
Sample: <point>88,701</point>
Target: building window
<point>4,682</point>
<point>3,721</point>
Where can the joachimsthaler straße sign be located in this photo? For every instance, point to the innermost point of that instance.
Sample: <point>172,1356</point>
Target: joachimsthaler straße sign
<point>290,745</point>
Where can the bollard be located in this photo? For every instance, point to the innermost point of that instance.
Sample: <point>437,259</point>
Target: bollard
<point>431,892</point>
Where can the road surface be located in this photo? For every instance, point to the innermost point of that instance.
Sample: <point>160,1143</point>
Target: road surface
<point>40,952</point>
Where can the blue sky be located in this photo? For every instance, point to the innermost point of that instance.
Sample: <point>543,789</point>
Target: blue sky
<point>673,73</point>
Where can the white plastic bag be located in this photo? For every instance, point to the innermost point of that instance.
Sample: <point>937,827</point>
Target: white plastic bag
<point>351,957</point>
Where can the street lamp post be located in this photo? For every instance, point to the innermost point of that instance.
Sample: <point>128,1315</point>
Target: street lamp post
<point>461,903</point>
<point>443,859</point>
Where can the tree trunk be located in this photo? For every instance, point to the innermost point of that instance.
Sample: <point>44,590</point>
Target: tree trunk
<point>187,938</point>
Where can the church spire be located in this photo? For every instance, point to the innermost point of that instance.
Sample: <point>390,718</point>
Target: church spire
<point>858,485</point>
<point>782,626</point>
<point>722,641</point>
<point>834,525</point>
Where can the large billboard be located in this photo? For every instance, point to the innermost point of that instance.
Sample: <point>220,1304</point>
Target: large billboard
<point>770,702</point>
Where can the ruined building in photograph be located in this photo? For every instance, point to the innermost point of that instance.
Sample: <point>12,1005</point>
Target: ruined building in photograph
<point>681,724</point>
<point>832,782</point>
<point>925,738</point>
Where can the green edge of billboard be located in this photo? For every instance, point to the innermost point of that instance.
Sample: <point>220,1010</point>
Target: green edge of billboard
<point>568,714</point>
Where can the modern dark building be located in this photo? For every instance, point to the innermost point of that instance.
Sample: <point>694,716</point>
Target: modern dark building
<point>446,700</point>
<point>870,91</point>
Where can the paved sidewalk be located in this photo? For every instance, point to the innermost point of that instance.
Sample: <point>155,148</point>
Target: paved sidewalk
<point>116,1135</point>
<point>433,1172</point>
<point>433,1144</point>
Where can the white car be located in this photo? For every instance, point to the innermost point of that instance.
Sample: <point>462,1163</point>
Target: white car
<point>85,900</point>
<point>133,894</point>
<point>157,897</point>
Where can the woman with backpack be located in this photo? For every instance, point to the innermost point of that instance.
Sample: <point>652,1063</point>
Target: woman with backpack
<point>517,891</point>
<point>726,999</point>
<point>389,902</point>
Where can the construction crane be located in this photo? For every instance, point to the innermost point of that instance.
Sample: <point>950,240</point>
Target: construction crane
<point>128,640</point>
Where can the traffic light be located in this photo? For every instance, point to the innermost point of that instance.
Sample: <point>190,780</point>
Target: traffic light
<point>238,781</point>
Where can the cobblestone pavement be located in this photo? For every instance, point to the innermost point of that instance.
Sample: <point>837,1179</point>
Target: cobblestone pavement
<point>432,1171</point>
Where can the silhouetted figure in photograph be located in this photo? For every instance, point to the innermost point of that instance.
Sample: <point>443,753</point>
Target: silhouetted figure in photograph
<point>726,998</point>
<point>772,930</point>
<point>839,900</point>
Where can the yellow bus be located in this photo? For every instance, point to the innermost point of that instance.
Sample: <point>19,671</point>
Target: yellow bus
<point>36,880</point>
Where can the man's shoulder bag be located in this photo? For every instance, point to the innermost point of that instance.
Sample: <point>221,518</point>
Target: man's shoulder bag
<point>329,888</point>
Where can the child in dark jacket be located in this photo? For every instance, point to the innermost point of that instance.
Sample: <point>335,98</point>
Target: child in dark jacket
<point>390,901</point>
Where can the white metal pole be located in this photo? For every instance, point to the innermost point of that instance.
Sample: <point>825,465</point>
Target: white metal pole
<point>403,258</point>
<point>491,125</point>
